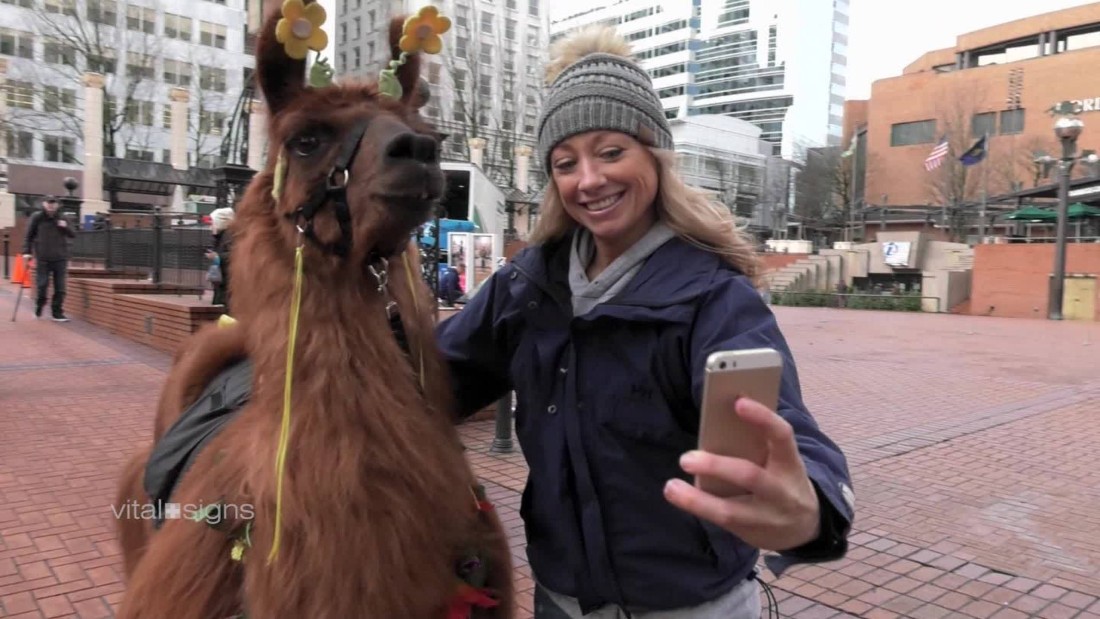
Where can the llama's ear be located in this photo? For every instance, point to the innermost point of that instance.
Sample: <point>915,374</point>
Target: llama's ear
<point>281,77</point>
<point>408,74</point>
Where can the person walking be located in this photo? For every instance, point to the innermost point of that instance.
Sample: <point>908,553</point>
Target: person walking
<point>47,240</point>
<point>602,328</point>
<point>219,254</point>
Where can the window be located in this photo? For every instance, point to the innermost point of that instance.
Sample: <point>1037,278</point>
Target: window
<point>177,72</point>
<point>459,78</point>
<point>102,12</point>
<point>370,19</point>
<point>61,7</point>
<point>104,63</point>
<point>1088,37</point>
<point>166,120</point>
<point>370,52</point>
<point>433,73</point>
<point>211,123</point>
<point>140,112</point>
<point>908,134</point>
<point>20,94</point>
<point>20,144</point>
<point>460,46</point>
<point>212,78</point>
<point>1012,122</point>
<point>486,54</point>
<point>139,154</point>
<point>140,66</point>
<point>26,4</point>
<point>57,99</point>
<point>532,8</point>
<point>166,156</point>
<point>212,34</point>
<point>983,124</point>
<point>141,19</point>
<point>177,27</point>
<point>356,58</point>
<point>357,29</point>
<point>532,36</point>
<point>56,52</point>
<point>16,43</point>
<point>59,149</point>
<point>486,22</point>
<point>510,29</point>
<point>342,33</point>
<point>734,13</point>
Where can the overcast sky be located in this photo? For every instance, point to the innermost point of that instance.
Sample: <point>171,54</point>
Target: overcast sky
<point>886,35</point>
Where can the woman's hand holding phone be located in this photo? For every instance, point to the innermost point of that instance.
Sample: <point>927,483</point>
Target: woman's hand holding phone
<point>780,510</point>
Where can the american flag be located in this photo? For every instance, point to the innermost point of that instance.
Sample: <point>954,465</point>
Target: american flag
<point>938,154</point>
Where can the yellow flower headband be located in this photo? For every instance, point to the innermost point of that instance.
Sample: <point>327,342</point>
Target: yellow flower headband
<point>421,33</point>
<point>299,30</point>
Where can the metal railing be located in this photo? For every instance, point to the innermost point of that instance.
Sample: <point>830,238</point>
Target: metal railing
<point>867,301</point>
<point>165,248</point>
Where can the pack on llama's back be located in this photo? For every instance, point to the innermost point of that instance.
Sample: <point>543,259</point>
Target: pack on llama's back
<point>356,499</point>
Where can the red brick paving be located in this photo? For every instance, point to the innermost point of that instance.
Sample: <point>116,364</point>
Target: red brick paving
<point>969,440</point>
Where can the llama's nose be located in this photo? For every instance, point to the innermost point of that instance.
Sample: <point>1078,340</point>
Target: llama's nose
<point>412,146</point>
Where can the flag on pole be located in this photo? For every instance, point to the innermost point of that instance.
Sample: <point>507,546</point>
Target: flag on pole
<point>976,153</point>
<point>938,154</point>
<point>851,148</point>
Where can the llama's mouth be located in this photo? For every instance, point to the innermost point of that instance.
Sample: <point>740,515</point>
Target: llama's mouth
<point>413,201</point>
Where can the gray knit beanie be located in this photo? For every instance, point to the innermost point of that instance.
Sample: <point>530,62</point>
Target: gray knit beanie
<point>599,88</point>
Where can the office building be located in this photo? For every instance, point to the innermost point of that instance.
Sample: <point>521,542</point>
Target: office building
<point>779,64</point>
<point>487,83</point>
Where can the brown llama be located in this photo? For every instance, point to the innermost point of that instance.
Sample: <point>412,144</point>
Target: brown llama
<point>377,513</point>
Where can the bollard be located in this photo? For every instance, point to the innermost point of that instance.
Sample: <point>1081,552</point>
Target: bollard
<point>107,242</point>
<point>156,245</point>
<point>502,441</point>
<point>7,267</point>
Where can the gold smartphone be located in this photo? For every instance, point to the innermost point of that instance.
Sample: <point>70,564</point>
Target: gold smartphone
<point>753,373</point>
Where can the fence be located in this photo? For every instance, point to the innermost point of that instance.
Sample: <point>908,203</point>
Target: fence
<point>168,248</point>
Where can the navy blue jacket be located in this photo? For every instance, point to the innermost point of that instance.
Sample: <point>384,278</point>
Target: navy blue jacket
<point>606,405</point>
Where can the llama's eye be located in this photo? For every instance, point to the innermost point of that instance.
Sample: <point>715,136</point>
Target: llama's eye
<point>305,145</point>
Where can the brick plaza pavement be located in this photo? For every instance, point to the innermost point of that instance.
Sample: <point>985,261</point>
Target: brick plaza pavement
<point>969,438</point>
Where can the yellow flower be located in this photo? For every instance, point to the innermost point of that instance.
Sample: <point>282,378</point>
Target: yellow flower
<point>299,30</point>
<point>421,31</point>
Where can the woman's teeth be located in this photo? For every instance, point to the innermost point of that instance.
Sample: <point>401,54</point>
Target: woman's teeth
<point>605,203</point>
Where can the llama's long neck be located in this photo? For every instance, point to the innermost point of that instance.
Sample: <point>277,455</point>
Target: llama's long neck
<point>344,347</point>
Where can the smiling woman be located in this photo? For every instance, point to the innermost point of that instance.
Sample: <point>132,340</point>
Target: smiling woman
<point>602,328</point>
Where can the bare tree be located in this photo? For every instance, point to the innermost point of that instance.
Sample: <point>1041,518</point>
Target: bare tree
<point>94,41</point>
<point>470,107</point>
<point>209,121</point>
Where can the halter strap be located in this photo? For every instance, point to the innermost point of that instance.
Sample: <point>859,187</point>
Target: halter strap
<point>335,190</point>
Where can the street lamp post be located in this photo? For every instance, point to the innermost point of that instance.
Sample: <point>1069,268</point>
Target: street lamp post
<point>1068,129</point>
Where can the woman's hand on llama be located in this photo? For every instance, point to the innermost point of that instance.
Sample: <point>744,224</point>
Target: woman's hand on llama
<point>781,510</point>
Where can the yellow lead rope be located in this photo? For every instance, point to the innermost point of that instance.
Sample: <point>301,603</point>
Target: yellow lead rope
<point>284,432</point>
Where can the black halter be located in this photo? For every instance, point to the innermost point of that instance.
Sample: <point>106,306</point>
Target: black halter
<point>336,191</point>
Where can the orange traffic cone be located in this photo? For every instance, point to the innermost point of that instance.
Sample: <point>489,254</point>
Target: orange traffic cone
<point>21,276</point>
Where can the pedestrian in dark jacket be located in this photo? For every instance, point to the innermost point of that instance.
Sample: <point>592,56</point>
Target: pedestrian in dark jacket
<point>602,328</point>
<point>219,254</point>
<point>47,240</point>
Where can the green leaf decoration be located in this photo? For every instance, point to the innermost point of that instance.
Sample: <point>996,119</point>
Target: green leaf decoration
<point>388,85</point>
<point>320,73</point>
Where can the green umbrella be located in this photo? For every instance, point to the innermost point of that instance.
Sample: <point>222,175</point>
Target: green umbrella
<point>1083,210</point>
<point>1032,213</point>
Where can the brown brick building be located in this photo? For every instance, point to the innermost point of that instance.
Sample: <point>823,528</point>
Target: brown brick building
<point>1000,80</point>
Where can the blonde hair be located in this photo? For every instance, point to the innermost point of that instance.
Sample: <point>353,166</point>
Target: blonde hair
<point>689,212</point>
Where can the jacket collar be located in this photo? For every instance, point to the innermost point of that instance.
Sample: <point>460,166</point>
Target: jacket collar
<point>675,273</point>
